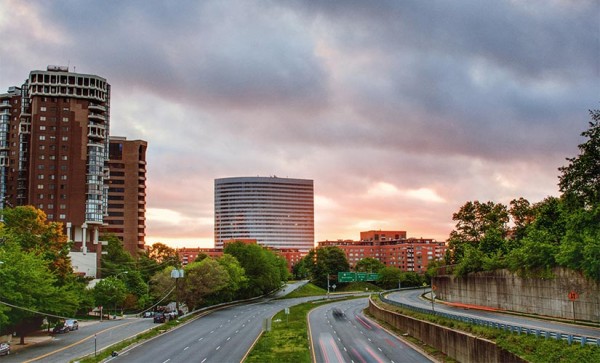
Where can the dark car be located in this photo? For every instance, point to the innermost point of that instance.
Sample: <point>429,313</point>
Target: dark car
<point>338,314</point>
<point>72,324</point>
<point>160,317</point>
<point>60,329</point>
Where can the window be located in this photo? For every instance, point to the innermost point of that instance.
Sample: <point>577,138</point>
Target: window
<point>63,206</point>
<point>42,137</point>
<point>63,177</point>
<point>65,119</point>
<point>42,157</point>
<point>42,118</point>
<point>64,157</point>
<point>40,176</point>
<point>65,138</point>
<point>62,216</point>
<point>40,186</point>
<point>50,206</point>
<point>43,108</point>
<point>42,128</point>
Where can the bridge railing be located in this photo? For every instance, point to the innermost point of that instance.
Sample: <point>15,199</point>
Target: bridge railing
<point>546,334</point>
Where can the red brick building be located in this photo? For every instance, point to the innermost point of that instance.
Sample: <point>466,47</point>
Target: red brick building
<point>188,255</point>
<point>392,248</point>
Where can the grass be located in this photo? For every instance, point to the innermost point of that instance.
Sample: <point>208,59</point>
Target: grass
<point>306,291</point>
<point>358,286</point>
<point>527,347</point>
<point>288,339</point>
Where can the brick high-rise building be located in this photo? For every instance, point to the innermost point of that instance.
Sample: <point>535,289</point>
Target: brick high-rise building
<point>127,192</point>
<point>54,147</point>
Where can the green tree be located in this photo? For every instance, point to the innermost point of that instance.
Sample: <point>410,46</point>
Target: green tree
<point>580,180</point>
<point>110,293</point>
<point>29,227</point>
<point>162,285</point>
<point>476,221</point>
<point>390,277</point>
<point>116,260</point>
<point>237,277</point>
<point>202,279</point>
<point>29,290</point>
<point>369,264</point>
<point>264,269</point>
<point>326,261</point>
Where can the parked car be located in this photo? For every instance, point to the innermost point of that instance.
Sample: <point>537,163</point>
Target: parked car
<point>4,349</point>
<point>160,317</point>
<point>72,324</point>
<point>60,329</point>
<point>149,314</point>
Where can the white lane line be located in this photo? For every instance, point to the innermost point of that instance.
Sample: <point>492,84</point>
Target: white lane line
<point>203,360</point>
<point>345,350</point>
<point>167,360</point>
<point>219,347</point>
<point>228,338</point>
<point>212,331</point>
<point>200,339</point>
<point>237,331</point>
<point>186,348</point>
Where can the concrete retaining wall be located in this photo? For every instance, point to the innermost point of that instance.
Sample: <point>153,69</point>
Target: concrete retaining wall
<point>504,290</point>
<point>458,345</point>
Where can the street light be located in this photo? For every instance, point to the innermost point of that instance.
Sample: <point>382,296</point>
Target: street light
<point>177,274</point>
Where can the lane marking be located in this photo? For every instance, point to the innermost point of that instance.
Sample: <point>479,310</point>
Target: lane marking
<point>167,360</point>
<point>219,347</point>
<point>186,348</point>
<point>203,360</point>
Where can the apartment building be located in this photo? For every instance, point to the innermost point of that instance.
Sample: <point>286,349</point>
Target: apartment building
<point>126,209</point>
<point>407,254</point>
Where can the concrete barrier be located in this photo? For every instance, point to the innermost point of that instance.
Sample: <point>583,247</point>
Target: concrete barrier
<point>458,345</point>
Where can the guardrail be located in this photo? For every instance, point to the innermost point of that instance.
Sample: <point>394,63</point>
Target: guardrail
<point>570,338</point>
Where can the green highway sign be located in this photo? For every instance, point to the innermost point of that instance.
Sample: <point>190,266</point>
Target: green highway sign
<point>372,277</point>
<point>346,276</point>
<point>361,276</point>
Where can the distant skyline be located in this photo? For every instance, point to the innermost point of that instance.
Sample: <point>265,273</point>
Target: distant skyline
<point>400,111</point>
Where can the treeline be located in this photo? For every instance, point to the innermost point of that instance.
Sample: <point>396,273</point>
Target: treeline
<point>323,262</point>
<point>37,282</point>
<point>532,238</point>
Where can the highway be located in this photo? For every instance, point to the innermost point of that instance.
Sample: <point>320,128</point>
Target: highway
<point>413,297</point>
<point>352,337</point>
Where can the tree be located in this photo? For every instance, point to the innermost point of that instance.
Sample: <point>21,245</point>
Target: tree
<point>580,180</point>
<point>110,292</point>
<point>29,290</point>
<point>390,277</point>
<point>237,277</point>
<point>326,261</point>
<point>475,220</point>
<point>28,226</point>
<point>265,270</point>
<point>164,254</point>
<point>369,264</point>
<point>116,260</point>
<point>202,279</point>
<point>162,285</point>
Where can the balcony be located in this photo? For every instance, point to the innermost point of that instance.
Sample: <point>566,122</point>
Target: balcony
<point>96,116</point>
<point>4,105</point>
<point>96,107</point>
<point>97,131</point>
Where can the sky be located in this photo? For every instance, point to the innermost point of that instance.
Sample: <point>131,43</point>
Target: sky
<point>400,111</point>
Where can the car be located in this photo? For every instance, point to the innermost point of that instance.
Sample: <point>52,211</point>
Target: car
<point>72,324</point>
<point>60,329</point>
<point>149,314</point>
<point>4,349</point>
<point>338,314</point>
<point>160,317</point>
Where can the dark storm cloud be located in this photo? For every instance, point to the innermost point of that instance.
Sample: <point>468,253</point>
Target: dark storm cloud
<point>204,53</point>
<point>400,110</point>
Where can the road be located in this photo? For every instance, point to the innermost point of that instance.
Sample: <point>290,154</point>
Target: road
<point>413,297</point>
<point>353,337</point>
<point>65,347</point>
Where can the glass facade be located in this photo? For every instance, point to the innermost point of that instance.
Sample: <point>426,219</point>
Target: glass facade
<point>277,212</point>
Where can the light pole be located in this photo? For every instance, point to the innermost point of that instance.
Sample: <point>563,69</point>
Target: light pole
<point>177,274</point>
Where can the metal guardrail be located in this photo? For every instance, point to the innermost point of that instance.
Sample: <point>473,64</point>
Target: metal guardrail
<point>570,338</point>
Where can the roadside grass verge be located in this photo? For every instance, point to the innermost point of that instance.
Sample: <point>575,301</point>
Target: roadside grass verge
<point>288,339</point>
<point>306,290</point>
<point>527,347</point>
<point>358,286</point>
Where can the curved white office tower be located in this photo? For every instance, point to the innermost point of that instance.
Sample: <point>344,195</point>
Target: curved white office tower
<point>277,212</point>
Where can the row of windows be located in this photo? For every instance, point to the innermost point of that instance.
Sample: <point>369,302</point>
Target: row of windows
<point>52,138</point>
<point>51,196</point>
<point>51,118</point>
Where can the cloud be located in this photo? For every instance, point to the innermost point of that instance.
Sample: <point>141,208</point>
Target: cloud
<point>400,111</point>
